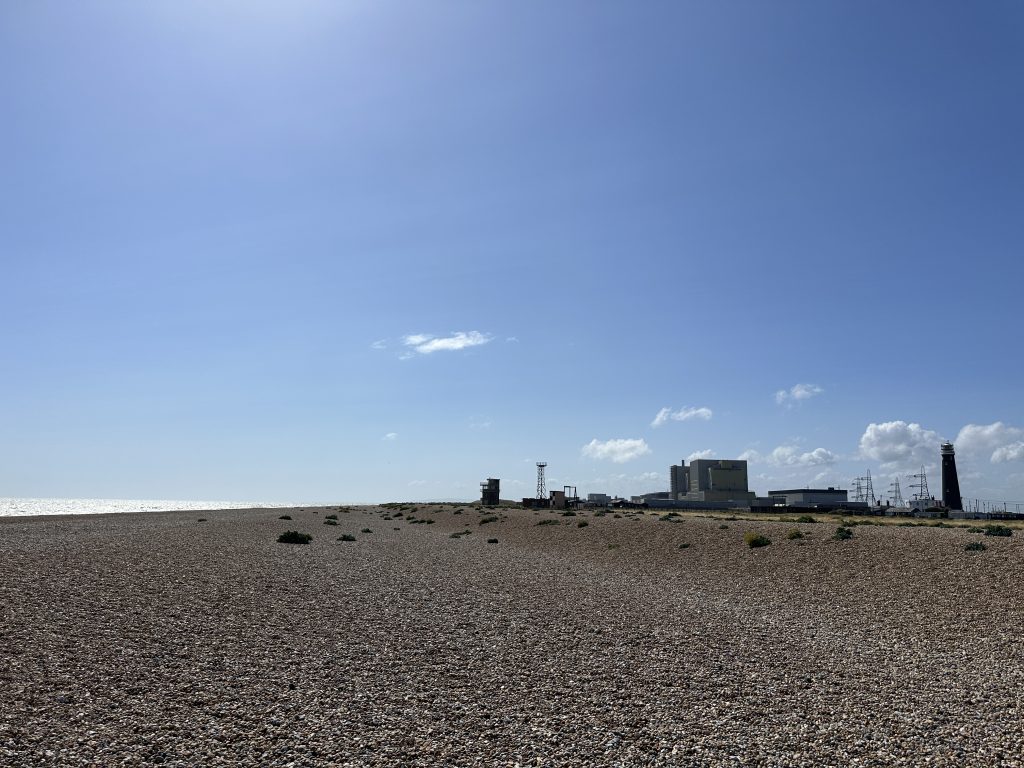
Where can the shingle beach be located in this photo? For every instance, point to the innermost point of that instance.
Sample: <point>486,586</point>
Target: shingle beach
<point>157,639</point>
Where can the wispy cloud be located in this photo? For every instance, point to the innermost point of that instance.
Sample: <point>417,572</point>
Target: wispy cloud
<point>390,436</point>
<point>797,393</point>
<point>707,453</point>
<point>379,344</point>
<point>791,456</point>
<point>685,413</point>
<point>619,450</point>
<point>426,344</point>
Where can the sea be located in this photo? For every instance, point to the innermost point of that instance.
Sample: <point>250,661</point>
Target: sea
<point>16,507</point>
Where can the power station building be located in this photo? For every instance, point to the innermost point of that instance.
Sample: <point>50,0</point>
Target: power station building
<point>710,480</point>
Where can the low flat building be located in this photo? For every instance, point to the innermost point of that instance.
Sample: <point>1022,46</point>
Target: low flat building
<point>796,496</point>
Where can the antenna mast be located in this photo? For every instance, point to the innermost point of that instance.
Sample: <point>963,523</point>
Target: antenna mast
<point>542,491</point>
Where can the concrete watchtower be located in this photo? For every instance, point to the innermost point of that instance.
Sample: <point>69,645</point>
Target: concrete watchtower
<point>950,483</point>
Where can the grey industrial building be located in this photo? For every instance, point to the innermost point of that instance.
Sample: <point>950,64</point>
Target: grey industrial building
<point>810,496</point>
<point>710,480</point>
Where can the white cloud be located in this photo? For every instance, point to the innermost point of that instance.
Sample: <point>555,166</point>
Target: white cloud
<point>425,344</point>
<point>379,344</point>
<point>997,442</point>
<point>707,453</point>
<point>899,443</point>
<point>619,451</point>
<point>796,393</point>
<point>792,456</point>
<point>1011,452</point>
<point>512,340</point>
<point>390,436</point>
<point>683,414</point>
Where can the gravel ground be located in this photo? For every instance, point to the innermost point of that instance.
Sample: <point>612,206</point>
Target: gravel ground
<point>158,639</point>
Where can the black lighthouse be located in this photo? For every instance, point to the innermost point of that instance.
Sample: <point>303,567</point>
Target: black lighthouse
<point>950,483</point>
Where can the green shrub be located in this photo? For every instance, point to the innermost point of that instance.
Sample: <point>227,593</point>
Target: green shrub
<point>346,537</point>
<point>568,513</point>
<point>330,522</point>
<point>582,524</point>
<point>806,519</point>
<point>201,520</point>
<point>843,533</point>
<point>488,519</point>
<point>492,541</point>
<point>294,537</point>
<point>613,546</point>
<point>285,517</point>
<point>998,530</point>
<point>331,517</point>
<point>756,540</point>
<point>685,545</point>
<point>723,526</point>
<point>366,530</point>
<point>794,534</point>
<point>976,546</point>
<point>548,522</point>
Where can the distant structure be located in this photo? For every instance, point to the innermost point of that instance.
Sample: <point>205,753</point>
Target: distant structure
<point>827,497</point>
<point>718,480</point>
<point>950,482</point>
<point>679,480</point>
<point>921,485</point>
<point>542,491</point>
<point>863,489</point>
<point>598,498</point>
<point>896,494</point>
<point>489,492</point>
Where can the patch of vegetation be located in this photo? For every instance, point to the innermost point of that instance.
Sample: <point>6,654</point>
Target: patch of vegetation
<point>568,513</point>
<point>976,546</point>
<point>492,541</point>
<point>285,517</point>
<point>755,540</point>
<point>809,519</point>
<point>331,517</point>
<point>582,524</point>
<point>549,521</point>
<point>723,527</point>
<point>346,537</point>
<point>843,533</point>
<point>794,534</point>
<point>459,534</point>
<point>201,520</point>
<point>998,530</point>
<point>613,546</point>
<point>294,537</point>
<point>488,519</point>
<point>330,522</point>
<point>617,515</point>
<point>366,530</point>
<point>685,545</point>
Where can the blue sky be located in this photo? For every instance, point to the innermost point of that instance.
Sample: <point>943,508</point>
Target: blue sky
<point>373,251</point>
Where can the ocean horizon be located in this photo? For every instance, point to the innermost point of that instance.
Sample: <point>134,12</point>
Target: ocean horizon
<point>23,507</point>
